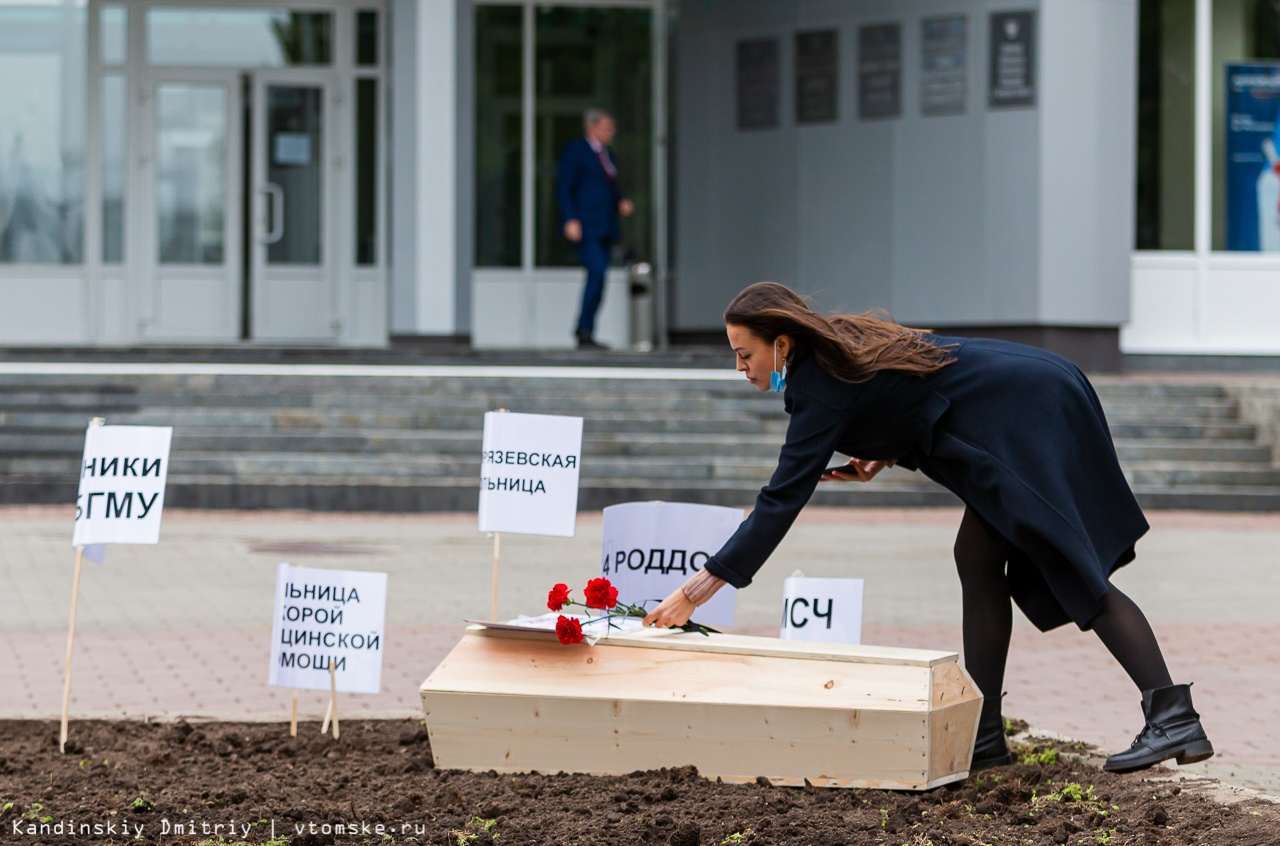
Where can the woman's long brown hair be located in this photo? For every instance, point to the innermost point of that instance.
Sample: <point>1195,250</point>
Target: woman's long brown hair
<point>851,347</point>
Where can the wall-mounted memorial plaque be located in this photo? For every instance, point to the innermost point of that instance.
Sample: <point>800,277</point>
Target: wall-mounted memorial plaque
<point>758,83</point>
<point>1011,80</point>
<point>944,73</point>
<point>879,71</point>
<point>817,72</point>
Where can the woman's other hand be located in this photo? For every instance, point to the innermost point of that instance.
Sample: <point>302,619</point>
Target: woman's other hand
<point>857,470</point>
<point>675,610</point>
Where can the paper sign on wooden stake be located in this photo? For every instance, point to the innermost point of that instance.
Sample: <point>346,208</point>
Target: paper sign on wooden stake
<point>120,500</point>
<point>650,548</point>
<point>827,610</point>
<point>529,473</point>
<point>122,481</point>
<point>328,616</point>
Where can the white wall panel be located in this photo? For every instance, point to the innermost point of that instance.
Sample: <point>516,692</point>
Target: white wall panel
<point>113,321</point>
<point>1226,305</point>
<point>510,310</point>
<point>1240,310</point>
<point>1162,311</point>
<point>194,307</point>
<point>368,311</point>
<point>556,298</point>
<point>42,310</point>
<point>499,310</point>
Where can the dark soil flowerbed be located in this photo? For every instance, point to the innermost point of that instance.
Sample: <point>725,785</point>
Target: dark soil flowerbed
<point>215,783</point>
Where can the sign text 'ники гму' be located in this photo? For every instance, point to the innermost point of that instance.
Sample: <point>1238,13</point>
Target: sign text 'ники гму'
<point>122,482</point>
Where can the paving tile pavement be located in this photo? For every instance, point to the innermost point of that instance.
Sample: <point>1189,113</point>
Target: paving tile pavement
<point>183,628</point>
<point>199,674</point>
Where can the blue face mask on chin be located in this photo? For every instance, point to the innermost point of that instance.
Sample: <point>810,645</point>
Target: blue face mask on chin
<point>777,381</point>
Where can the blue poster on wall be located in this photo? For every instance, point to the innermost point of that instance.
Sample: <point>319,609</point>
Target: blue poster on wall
<point>1253,165</point>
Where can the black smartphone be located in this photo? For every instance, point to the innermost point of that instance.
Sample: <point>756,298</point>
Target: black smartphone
<point>846,468</point>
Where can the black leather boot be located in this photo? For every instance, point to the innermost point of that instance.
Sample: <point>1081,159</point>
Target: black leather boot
<point>990,749</point>
<point>1173,730</point>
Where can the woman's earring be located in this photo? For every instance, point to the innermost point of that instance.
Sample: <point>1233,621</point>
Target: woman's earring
<point>778,381</point>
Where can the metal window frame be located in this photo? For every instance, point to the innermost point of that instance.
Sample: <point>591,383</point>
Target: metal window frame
<point>658,145</point>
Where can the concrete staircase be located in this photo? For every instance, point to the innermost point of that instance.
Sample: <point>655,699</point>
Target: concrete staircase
<point>412,442</point>
<point>1184,445</point>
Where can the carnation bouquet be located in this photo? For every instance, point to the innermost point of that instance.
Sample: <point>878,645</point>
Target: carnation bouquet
<point>599,596</point>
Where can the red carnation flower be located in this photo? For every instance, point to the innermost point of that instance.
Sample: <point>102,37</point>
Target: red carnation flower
<point>569,631</point>
<point>557,597</point>
<point>601,594</point>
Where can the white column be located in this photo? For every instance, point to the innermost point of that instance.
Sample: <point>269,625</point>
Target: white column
<point>436,126</point>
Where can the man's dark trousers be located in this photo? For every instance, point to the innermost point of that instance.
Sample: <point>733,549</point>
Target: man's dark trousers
<point>594,253</point>
<point>587,193</point>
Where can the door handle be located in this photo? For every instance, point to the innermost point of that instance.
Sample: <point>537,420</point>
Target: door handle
<point>276,232</point>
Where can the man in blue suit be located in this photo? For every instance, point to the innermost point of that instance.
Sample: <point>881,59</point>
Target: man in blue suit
<point>590,204</point>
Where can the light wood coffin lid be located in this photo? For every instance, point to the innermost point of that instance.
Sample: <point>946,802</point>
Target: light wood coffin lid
<point>686,667</point>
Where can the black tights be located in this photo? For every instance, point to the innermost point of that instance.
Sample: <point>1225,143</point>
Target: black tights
<point>988,620</point>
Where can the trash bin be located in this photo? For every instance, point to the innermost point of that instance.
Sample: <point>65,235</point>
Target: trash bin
<point>640,282</point>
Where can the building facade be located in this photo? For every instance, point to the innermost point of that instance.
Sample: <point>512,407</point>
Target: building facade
<point>1073,173</point>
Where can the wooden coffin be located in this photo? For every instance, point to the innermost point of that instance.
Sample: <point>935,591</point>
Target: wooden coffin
<point>735,707</point>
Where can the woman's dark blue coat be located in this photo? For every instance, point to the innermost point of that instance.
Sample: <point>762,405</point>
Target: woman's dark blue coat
<point>1015,432</point>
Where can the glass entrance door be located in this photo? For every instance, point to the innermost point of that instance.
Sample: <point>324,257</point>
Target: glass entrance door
<point>295,170</point>
<point>191,199</point>
<point>238,186</point>
<point>241,187</point>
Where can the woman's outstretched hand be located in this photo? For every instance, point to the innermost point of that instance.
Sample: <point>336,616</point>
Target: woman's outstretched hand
<point>858,470</point>
<point>675,610</point>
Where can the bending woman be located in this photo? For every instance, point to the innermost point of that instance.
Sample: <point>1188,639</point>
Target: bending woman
<point>1016,433</point>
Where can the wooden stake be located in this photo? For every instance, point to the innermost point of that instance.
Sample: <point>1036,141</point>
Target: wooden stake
<point>71,633</point>
<point>493,613</point>
<point>333,698</point>
<point>293,717</point>
<point>332,711</point>
<point>493,608</point>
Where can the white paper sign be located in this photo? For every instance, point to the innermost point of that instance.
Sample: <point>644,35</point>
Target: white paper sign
<point>828,610</point>
<point>324,616</point>
<point>594,628</point>
<point>651,548</point>
<point>292,148</point>
<point>122,478</point>
<point>529,473</point>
